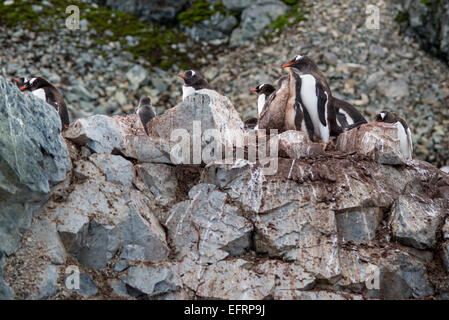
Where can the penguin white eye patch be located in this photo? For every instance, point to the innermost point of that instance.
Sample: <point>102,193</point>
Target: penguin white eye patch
<point>298,57</point>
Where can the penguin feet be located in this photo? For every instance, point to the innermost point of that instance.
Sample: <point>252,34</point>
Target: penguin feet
<point>325,144</point>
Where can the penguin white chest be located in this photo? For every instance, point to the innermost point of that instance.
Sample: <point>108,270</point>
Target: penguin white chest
<point>310,101</point>
<point>40,93</point>
<point>187,91</point>
<point>405,140</point>
<point>260,103</point>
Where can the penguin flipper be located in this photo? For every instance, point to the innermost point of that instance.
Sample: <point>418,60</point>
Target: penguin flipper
<point>322,102</point>
<point>309,124</point>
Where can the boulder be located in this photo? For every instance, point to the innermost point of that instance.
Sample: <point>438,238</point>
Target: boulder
<point>296,145</point>
<point>377,140</point>
<point>153,279</point>
<point>255,18</point>
<point>207,124</point>
<point>358,224</point>
<point>415,221</point>
<point>33,158</point>
<point>161,180</point>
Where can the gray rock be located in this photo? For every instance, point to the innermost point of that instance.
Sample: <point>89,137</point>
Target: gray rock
<point>359,224</point>
<point>136,76</point>
<point>396,89</point>
<point>445,169</point>
<point>237,5</point>
<point>33,158</point>
<point>161,180</point>
<point>446,230</point>
<point>197,116</point>
<point>233,280</point>
<point>47,287</point>
<point>116,169</point>
<point>6,292</point>
<point>415,221</point>
<point>255,18</point>
<point>153,279</point>
<point>208,226</point>
<point>219,26</point>
<point>100,133</point>
<point>149,10</point>
<point>87,286</point>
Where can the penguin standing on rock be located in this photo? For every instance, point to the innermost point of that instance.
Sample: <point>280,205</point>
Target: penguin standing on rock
<point>404,133</point>
<point>264,90</point>
<point>44,90</point>
<point>145,112</point>
<point>315,97</point>
<point>193,81</point>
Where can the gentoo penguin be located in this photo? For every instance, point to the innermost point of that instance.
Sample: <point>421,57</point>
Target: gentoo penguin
<point>315,97</point>
<point>145,112</point>
<point>404,133</point>
<point>273,112</point>
<point>250,123</point>
<point>264,90</point>
<point>193,81</point>
<point>348,117</point>
<point>44,90</point>
<point>20,81</point>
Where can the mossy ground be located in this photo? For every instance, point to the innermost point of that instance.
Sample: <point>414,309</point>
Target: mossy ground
<point>155,43</point>
<point>296,14</point>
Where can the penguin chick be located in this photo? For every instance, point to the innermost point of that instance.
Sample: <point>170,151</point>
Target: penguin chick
<point>44,90</point>
<point>273,113</point>
<point>404,133</point>
<point>145,112</point>
<point>263,90</point>
<point>348,117</point>
<point>193,81</point>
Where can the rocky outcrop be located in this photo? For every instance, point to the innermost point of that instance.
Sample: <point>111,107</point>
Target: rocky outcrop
<point>428,23</point>
<point>338,224</point>
<point>149,10</point>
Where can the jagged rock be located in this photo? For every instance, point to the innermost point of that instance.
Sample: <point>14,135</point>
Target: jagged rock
<point>115,168</point>
<point>446,229</point>
<point>234,280</point>
<point>376,140</point>
<point>296,145</point>
<point>207,225</point>
<point>192,119</point>
<point>402,277</point>
<point>47,287</point>
<point>153,279</point>
<point>120,217</point>
<point>359,224</point>
<point>415,221</point>
<point>161,180</point>
<point>255,18</point>
<point>33,158</point>
<point>218,26</point>
<point>87,286</point>
<point>306,237</point>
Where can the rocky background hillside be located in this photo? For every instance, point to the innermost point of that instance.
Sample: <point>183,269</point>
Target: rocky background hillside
<point>356,222</point>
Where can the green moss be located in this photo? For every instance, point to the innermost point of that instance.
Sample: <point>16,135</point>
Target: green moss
<point>202,10</point>
<point>155,43</point>
<point>426,2</point>
<point>296,14</point>
<point>401,17</point>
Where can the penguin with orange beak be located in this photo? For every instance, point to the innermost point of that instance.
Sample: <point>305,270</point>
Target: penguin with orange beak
<point>315,97</point>
<point>44,90</point>
<point>193,81</point>
<point>19,81</point>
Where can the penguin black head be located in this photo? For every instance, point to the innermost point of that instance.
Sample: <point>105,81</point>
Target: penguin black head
<point>34,84</point>
<point>194,78</point>
<point>302,63</point>
<point>263,88</point>
<point>20,81</point>
<point>387,116</point>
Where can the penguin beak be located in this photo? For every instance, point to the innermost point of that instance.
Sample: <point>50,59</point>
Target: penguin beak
<point>23,87</point>
<point>253,89</point>
<point>288,64</point>
<point>182,76</point>
<point>16,79</point>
